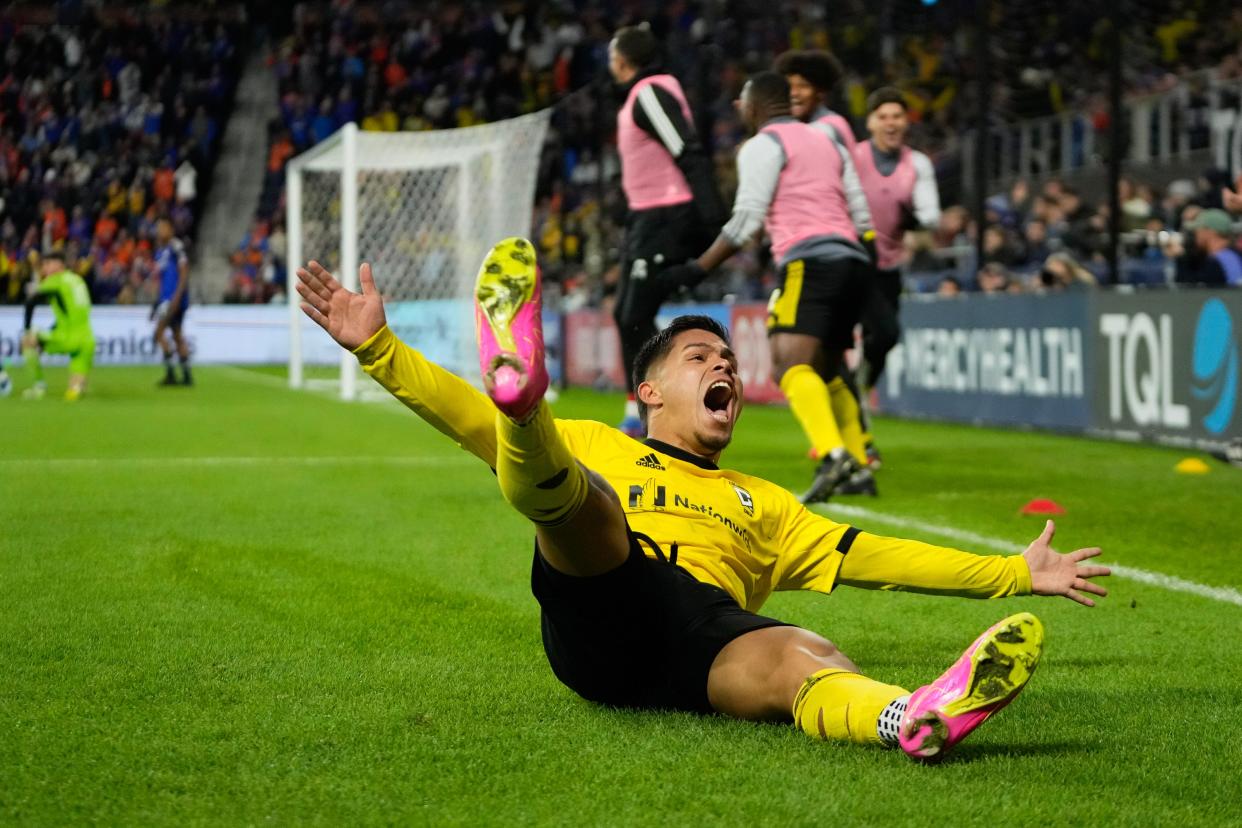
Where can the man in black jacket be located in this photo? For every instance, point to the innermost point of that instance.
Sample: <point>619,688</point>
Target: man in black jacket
<point>666,174</point>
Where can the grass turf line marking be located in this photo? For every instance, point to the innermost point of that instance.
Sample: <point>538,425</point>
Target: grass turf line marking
<point>1171,582</point>
<point>87,462</point>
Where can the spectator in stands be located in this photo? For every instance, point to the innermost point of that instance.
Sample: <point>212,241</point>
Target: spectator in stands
<point>1036,249</point>
<point>993,278</point>
<point>1212,260</point>
<point>1060,273</point>
<point>949,286</point>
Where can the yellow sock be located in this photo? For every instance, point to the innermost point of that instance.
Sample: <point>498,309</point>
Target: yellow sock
<point>808,399</point>
<point>837,705</point>
<point>537,474</point>
<point>845,409</point>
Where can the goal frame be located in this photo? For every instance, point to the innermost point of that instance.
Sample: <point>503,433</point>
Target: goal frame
<point>349,152</point>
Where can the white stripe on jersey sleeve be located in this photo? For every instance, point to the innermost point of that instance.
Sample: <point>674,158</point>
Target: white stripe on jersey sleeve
<point>659,119</point>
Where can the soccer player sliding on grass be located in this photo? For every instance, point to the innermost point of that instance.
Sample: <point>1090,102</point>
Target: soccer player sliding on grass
<point>651,562</point>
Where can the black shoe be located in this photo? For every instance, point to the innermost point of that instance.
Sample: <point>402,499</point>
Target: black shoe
<point>835,469</point>
<point>186,379</point>
<point>861,482</point>
<point>167,381</point>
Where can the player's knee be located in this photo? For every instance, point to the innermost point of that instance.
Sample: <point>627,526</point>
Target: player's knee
<point>781,362</point>
<point>807,652</point>
<point>29,340</point>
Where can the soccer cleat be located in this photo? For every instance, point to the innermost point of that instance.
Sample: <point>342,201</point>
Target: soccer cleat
<point>834,470</point>
<point>861,482</point>
<point>988,676</point>
<point>35,392</point>
<point>6,383</point>
<point>168,381</point>
<point>874,460</point>
<point>507,316</point>
<point>72,394</point>
<point>633,427</point>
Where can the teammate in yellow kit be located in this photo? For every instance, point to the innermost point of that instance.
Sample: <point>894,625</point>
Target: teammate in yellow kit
<point>651,561</point>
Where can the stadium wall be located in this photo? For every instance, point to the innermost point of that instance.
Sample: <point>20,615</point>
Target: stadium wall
<point>259,335</point>
<point>1148,365</point>
<point>218,334</point>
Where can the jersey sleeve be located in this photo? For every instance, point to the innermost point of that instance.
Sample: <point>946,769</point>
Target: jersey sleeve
<point>659,114</point>
<point>759,164</point>
<point>817,554</point>
<point>809,547</point>
<point>926,196</point>
<point>878,562</point>
<point>446,401</point>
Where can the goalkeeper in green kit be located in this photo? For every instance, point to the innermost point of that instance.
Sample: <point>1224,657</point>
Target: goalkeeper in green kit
<point>70,299</point>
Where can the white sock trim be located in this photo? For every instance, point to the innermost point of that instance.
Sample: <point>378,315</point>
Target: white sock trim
<point>888,726</point>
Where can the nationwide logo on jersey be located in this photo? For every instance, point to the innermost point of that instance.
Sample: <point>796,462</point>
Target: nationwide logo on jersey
<point>748,502</point>
<point>650,462</point>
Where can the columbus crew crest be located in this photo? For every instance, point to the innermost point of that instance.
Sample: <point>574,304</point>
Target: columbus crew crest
<point>748,502</point>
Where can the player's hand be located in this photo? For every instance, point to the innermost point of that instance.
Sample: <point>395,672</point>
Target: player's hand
<point>681,277</point>
<point>349,318</point>
<point>1055,574</point>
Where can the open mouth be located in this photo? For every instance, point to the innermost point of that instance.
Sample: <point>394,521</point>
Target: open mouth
<point>718,399</point>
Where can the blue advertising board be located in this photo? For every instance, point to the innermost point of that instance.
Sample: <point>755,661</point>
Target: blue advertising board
<point>1009,360</point>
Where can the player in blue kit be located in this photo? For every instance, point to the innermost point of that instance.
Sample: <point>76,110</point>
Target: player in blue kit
<point>169,311</point>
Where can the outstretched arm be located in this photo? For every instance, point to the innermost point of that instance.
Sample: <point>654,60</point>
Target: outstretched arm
<point>875,562</point>
<point>816,553</point>
<point>357,322</point>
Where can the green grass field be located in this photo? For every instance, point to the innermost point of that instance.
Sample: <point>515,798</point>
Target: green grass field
<point>237,604</point>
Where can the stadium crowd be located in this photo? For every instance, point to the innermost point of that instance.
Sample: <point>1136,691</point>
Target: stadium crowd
<point>456,65</point>
<point>107,123</point>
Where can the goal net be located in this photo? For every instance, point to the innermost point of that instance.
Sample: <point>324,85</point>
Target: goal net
<point>423,208</point>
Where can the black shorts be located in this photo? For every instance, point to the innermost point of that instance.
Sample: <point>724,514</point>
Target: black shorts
<point>643,635</point>
<point>176,316</point>
<point>658,238</point>
<point>821,298</point>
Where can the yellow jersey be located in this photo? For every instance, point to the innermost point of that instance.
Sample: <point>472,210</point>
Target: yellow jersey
<point>739,532</point>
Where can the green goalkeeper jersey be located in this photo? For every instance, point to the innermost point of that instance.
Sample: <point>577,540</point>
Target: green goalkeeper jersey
<point>70,300</point>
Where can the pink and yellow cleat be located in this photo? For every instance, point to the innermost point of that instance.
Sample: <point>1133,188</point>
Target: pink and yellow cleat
<point>507,318</point>
<point>987,677</point>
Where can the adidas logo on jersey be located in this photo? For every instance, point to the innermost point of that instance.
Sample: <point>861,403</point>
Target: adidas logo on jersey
<point>650,462</point>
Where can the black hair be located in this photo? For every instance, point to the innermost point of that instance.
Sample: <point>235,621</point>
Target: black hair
<point>656,348</point>
<point>637,45</point>
<point>769,90</point>
<point>820,68</point>
<point>885,95</point>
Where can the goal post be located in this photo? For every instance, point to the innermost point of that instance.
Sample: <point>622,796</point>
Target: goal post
<point>422,208</point>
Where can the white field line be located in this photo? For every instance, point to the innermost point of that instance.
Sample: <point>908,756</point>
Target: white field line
<point>229,462</point>
<point>253,377</point>
<point>1227,595</point>
<point>369,392</point>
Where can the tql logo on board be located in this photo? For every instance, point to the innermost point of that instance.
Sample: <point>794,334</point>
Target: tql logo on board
<point>1157,373</point>
<point>1216,365</point>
